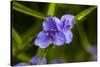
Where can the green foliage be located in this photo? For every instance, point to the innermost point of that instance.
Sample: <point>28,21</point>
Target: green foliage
<point>82,16</point>
<point>26,10</point>
<point>16,36</point>
<point>17,41</point>
<point>79,18</point>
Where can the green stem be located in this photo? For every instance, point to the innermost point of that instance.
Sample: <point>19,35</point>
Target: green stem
<point>51,9</point>
<point>44,54</point>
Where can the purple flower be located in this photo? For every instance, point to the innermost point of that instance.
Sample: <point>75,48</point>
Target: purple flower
<point>36,58</point>
<point>92,49</point>
<point>55,31</point>
<point>50,33</point>
<point>33,61</point>
<point>67,22</point>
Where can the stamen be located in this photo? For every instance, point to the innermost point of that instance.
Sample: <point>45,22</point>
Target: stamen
<point>51,34</point>
<point>64,26</point>
<point>56,33</point>
<point>52,29</point>
<point>47,34</point>
<point>55,30</point>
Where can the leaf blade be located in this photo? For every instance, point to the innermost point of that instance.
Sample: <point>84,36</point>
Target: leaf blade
<point>17,41</point>
<point>26,10</point>
<point>82,15</point>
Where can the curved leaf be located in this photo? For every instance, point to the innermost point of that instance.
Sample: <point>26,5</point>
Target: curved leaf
<point>21,8</point>
<point>82,15</point>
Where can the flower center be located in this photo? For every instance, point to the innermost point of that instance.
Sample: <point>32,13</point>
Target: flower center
<point>52,32</point>
<point>66,24</point>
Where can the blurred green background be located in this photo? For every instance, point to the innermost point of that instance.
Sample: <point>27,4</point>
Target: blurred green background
<point>25,29</point>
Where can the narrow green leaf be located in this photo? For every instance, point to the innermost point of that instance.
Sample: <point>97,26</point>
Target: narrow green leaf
<point>24,57</point>
<point>30,33</point>
<point>44,53</point>
<point>83,36</point>
<point>18,45</point>
<point>81,16</point>
<point>16,37</point>
<point>51,9</point>
<point>21,8</point>
<point>27,38</point>
<point>16,42</point>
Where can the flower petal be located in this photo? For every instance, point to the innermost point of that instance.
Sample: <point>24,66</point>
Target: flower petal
<point>93,50</point>
<point>59,39</point>
<point>35,60</point>
<point>68,35</point>
<point>58,23</point>
<point>42,40</point>
<point>49,23</point>
<point>69,19</point>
